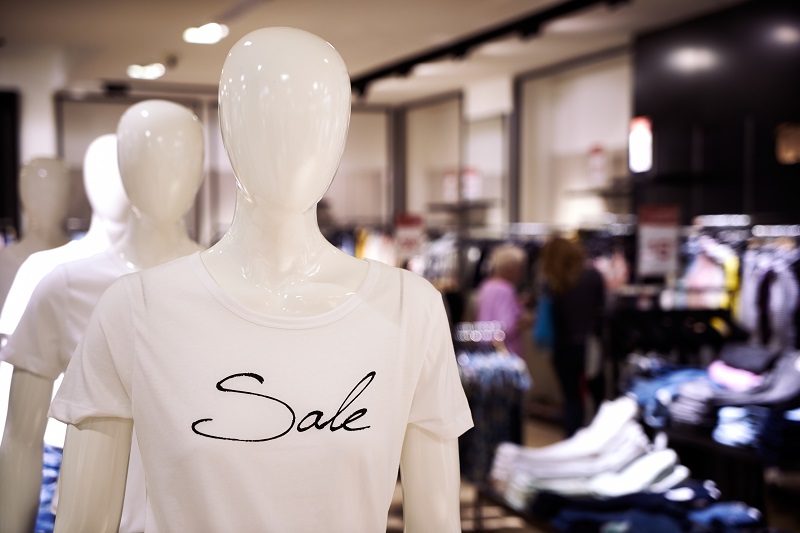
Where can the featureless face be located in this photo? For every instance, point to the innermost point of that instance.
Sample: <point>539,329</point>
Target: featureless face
<point>284,99</point>
<point>160,152</point>
<point>102,181</point>
<point>44,189</point>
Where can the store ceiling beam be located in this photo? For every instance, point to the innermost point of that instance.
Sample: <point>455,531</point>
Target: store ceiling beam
<point>526,27</point>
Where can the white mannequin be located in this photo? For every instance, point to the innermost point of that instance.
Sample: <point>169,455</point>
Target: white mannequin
<point>44,191</point>
<point>284,113</point>
<point>43,194</point>
<point>110,210</point>
<point>161,184</point>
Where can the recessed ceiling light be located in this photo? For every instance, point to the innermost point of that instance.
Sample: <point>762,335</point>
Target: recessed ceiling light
<point>210,33</point>
<point>152,71</point>
<point>693,59</point>
<point>786,34</point>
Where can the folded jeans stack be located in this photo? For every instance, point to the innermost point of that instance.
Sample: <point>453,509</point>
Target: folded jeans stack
<point>693,404</point>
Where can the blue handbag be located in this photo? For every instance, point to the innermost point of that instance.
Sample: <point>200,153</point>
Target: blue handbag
<point>543,330</point>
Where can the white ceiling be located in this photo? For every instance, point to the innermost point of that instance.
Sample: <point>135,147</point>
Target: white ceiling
<point>102,37</point>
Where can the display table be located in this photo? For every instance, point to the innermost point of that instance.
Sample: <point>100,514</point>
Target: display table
<point>737,472</point>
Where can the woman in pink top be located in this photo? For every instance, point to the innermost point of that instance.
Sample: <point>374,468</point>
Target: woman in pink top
<point>498,299</point>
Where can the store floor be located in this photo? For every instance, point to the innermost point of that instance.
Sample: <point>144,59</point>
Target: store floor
<point>782,504</point>
<point>537,433</point>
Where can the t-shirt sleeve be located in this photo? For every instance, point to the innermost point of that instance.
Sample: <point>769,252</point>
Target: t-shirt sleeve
<point>97,382</point>
<point>35,345</point>
<point>440,405</point>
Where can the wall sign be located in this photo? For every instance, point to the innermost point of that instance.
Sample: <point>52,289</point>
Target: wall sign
<point>659,230</point>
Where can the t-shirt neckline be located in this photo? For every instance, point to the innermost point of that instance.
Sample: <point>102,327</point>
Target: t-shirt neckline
<point>285,322</point>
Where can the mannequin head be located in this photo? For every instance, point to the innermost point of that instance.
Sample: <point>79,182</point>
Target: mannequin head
<point>102,181</point>
<point>160,153</point>
<point>284,109</point>
<point>44,191</point>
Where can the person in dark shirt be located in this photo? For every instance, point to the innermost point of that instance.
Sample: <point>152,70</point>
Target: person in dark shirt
<point>578,294</point>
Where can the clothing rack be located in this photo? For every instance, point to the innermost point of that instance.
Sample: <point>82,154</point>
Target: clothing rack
<point>495,383</point>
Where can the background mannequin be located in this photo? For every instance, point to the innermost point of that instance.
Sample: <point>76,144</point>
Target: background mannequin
<point>161,184</point>
<point>43,194</point>
<point>278,297</point>
<point>110,210</point>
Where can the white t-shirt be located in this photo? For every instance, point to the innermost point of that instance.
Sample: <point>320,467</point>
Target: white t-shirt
<point>249,422</point>
<point>58,311</point>
<point>31,272</point>
<point>48,332</point>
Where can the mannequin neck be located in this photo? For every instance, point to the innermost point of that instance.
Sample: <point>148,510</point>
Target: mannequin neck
<point>42,235</point>
<point>278,262</point>
<point>146,242</point>
<point>103,232</point>
<point>274,244</point>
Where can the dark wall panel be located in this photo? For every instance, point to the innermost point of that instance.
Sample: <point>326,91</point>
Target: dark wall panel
<point>716,88</point>
<point>9,158</point>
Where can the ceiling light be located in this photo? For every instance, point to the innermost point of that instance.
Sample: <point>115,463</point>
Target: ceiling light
<point>152,71</point>
<point>786,35</point>
<point>210,33</point>
<point>692,59</point>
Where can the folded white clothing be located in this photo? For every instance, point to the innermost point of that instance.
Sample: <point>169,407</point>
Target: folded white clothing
<point>505,456</point>
<point>628,444</point>
<point>679,474</point>
<point>610,419</point>
<point>637,477</point>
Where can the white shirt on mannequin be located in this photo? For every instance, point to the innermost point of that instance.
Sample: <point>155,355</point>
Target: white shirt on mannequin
<point>351,360</point>
<point>161,184</point>
<point>43,192</point>
<point>110,211</point>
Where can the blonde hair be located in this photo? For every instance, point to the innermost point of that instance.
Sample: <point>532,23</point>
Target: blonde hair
<point>561,263</point>
<point>506,257</point>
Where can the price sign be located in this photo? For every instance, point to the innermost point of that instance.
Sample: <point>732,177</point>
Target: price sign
<point>659,232</point>
<point>408,235</point>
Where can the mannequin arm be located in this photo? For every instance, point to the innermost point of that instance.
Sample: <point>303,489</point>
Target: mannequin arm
<point>93,474</point>
<point>21,451</point>
<point>431,480</point>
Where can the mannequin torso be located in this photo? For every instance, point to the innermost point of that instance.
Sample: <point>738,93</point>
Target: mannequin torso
<point>110,211</point>
<point>262,337</point>
<point>44,190</point>
<point>61,304</point>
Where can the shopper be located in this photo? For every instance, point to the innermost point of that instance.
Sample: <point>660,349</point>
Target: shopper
<point>578,293</point>
<point>498,299</point>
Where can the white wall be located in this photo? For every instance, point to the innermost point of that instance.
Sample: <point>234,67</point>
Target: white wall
<point>360,192</point>
<point>485,160</point>
<point>37,73</point>
<point>562,117</point>
<point>433,140</point>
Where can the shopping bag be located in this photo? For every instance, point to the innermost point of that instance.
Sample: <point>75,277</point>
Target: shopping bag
<point>543,331</point>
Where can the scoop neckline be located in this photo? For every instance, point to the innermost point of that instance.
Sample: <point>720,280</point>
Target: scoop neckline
<point>285,322</point>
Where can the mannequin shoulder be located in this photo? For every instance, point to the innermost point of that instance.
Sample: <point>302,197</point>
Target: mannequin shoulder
<point>173,269</point>
<point>412,286</point>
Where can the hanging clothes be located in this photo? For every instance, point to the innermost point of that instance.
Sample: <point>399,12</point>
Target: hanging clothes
<point>495,383</point>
